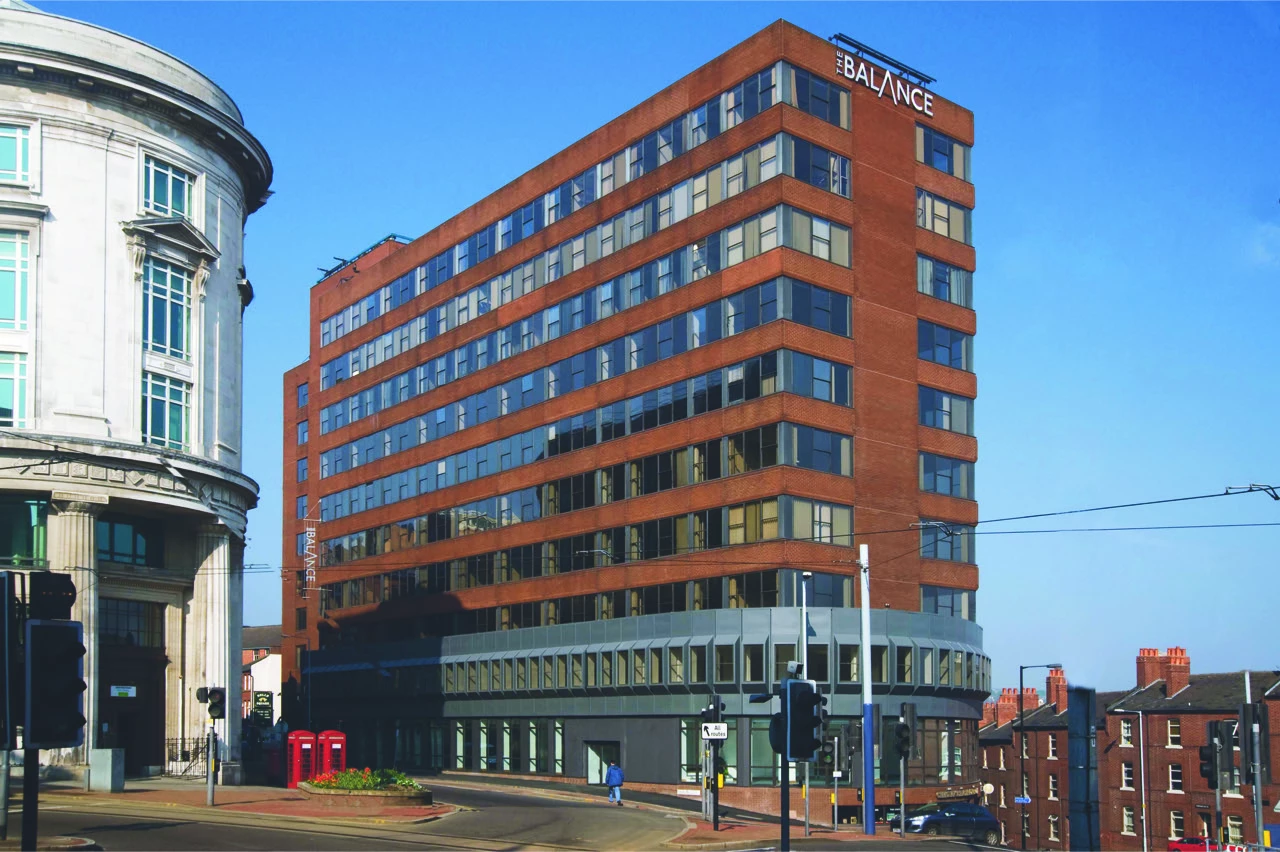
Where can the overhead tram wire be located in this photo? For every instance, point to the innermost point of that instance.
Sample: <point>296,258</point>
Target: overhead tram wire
<point>264,568</point>
<point>945,526</point>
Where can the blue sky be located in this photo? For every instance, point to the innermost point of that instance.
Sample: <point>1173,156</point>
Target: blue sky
<point>1127,230</point>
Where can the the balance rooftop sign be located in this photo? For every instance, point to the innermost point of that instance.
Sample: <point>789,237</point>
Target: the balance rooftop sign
<point>883,83</point>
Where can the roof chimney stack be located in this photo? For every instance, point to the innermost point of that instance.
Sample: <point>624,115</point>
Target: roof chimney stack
<point>1149,667</point>
<point>1177,671</point>
<point>1055,690</point>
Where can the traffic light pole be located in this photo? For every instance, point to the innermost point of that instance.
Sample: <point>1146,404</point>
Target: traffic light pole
<point>4,793</point>
<point>1217,788</point>
<point>804,672</point>
<point>902,797</point>
<point>30,796</point>
<point>715,784</point>
<point>785,810</point>
<point>868,722</point>
<point>835,790</point>
<point>209,759</point>
<point>1255,734</point>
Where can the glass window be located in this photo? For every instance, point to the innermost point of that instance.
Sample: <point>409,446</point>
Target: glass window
<point>1126,732</point>
<point>166,308</point>
<point>130,541</point>
<point>303,431</point>
<point>131,623</point>
<point>944,346</point>
<point>725,664</point>
<point>1127,820</point>
<point>15,153</point>
<point>953,542</point>
<point>15,268</point>
<point>943,217</point>
<point>1175,825</point>
<point>302,469</point>
<point>1175,732</point>
<point>166,405</point>
<point>13,389</point>
<point>942,152</point>
<point>1175,777</point>
<point>942,475</point>
<point>23,531</point>
<point>942,410</point>
<point>302,394</point>
<point>167,190</point>
<point>943,281</point>
<point>783,655</point>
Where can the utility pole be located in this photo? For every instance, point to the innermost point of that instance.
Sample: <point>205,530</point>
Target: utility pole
<point>804,672</point>
<point>1217,790</point>
<point>1255,735</point>
<point>835,789</point>
<point>868,722</point>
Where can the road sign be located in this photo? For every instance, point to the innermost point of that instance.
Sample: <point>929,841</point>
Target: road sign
<point>837,774</point>
<point>1022,800</point>
<point>715,730</point>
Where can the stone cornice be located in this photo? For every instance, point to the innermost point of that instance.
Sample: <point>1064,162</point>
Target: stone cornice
<point>89,79</point>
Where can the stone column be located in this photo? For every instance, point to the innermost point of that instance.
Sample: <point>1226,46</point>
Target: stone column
<point>215,644</point>
<point>73,550</point>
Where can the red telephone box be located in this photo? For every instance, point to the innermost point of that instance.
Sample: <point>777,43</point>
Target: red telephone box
<point>302,757</point>
<point>333,751</point>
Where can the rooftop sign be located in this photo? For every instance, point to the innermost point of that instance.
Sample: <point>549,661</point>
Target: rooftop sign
<point>883,83</point>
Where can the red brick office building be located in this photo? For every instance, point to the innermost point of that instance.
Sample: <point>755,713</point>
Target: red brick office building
<point>564,458</point>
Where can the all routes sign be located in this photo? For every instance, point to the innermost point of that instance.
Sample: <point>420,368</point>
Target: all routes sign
<point>715,730</point>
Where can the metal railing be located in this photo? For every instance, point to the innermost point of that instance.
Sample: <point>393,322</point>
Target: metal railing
<point>185,757</point>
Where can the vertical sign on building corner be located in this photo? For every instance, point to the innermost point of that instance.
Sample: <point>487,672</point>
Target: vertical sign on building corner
<point>310,551</point>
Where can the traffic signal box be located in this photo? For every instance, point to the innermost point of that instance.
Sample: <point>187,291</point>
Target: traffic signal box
<point>806,720</point>
<point>1217,763</point>
<point>904,732</point>
<point>54,685</point>
<point>217,702</point>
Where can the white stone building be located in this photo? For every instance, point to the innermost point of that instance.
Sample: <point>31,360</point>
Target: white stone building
<point>126,178</point>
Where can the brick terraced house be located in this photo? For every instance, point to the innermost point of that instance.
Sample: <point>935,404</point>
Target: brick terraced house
<point>1148,758</point>
<point>554,469</point>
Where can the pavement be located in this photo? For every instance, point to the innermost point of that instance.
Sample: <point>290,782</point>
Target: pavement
<point>483,813</point>
<point>266,801</point>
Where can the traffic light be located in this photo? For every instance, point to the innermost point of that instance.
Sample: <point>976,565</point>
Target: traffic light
<point>806,720</point>
<point>1217,760</point>
<point>217,702</point>
<point>905,731</point>
<point>902,740</point>
<point>850,746</point>
<point>12,681</point>
<point>50,595</point>
<point>714,711</point>
<point>55,685</point>
<point>1249,713</point>
<point>1208,764</point>
<point>827,753</point>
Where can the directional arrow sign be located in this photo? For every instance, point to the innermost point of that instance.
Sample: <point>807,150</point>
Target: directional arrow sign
<point>715,730</point>
<point>1022,800</point>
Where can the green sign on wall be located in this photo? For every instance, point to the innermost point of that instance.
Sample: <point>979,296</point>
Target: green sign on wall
<point>263,709</point>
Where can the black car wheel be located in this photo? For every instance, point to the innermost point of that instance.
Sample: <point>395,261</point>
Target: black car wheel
<point>932,831</point>
<point>992,838</point>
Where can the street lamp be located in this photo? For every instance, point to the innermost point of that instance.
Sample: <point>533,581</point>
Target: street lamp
<point>1022,747</point>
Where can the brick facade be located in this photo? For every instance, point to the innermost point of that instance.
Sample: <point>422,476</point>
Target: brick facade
<point>1124,738</point>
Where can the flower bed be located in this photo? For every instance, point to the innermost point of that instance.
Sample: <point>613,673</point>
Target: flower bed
<point>366,788</point>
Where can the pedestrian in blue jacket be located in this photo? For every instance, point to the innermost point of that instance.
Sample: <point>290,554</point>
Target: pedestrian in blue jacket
<point>613,780</point>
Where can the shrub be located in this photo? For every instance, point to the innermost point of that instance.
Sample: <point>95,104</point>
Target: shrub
<point>365,779</point>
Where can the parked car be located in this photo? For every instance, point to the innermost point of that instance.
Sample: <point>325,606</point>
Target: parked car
<point>957,819</point>
<point>1194,844</point>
